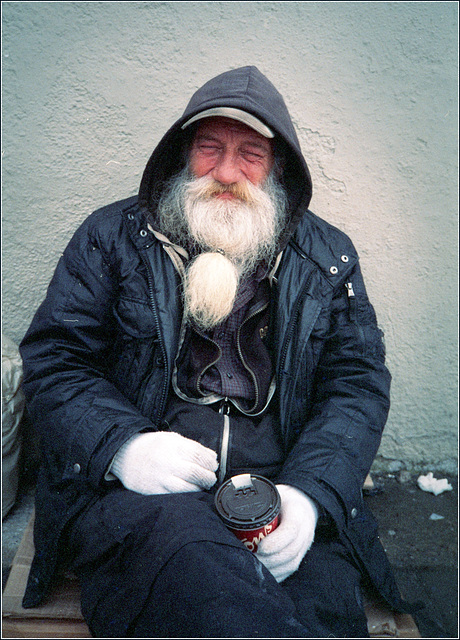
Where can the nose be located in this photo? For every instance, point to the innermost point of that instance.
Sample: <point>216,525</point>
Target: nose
<point>226,169</point>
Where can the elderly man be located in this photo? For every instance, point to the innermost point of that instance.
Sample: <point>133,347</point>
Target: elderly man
<point>208,327</point>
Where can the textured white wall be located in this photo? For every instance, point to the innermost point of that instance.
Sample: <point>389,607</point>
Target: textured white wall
<point>90,87</point>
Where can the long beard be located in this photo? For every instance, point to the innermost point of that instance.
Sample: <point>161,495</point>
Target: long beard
<point>231,237</point>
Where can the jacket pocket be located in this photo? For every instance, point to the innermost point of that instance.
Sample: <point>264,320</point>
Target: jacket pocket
<point>369,337</point>
<point>136,350</point>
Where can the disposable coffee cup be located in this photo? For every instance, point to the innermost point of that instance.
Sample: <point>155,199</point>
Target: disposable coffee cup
<point>249,505</point>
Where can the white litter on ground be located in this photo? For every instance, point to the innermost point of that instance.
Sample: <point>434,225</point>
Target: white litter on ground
<point>436,516</point>
<point>430,484</point>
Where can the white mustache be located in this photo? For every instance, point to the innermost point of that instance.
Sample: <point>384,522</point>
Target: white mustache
<point>208,188</point>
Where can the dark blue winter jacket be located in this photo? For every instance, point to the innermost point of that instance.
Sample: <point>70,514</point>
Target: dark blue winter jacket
<point>99,354</point>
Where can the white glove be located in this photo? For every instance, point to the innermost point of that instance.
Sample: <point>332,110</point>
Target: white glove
<point>283,550</point>
<point>164,462</point>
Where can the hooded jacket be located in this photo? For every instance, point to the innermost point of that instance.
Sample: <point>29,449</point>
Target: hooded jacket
<point>99,354</point>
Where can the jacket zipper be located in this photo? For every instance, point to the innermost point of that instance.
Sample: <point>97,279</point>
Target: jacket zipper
<point>224,410</point>
<point>351,302</point>
<point>164,390</point>
<point>198,382</point>
<point>290,330</point>
<point>240,353</point>
<point>353,311</point>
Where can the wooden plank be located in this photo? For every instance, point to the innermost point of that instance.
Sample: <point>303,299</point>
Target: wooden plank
<point>38,628</point>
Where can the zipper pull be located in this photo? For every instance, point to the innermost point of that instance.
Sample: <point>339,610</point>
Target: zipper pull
<point>351,301</point>
<point>224,408</point>
<point>349,286</point>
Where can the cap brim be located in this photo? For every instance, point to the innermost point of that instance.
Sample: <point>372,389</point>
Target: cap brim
<point>235,114</point>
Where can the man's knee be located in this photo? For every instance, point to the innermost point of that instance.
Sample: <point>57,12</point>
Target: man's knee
<point>217,589</point>
<point>208,562</point>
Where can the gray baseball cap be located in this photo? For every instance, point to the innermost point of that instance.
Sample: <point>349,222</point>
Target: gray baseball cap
<point>235,114</point>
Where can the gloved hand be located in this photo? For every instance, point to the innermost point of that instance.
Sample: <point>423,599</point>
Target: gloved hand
<point>164,462</point>
<point>283,550</point>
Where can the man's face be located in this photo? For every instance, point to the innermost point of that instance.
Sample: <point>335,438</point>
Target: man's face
<point>230,152</point>
<point>228,207</point>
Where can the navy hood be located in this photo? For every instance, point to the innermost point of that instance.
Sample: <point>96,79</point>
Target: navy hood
<point>248,89</point>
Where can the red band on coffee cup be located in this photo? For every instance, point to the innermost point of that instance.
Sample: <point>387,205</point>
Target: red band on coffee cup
<point>249,505</point>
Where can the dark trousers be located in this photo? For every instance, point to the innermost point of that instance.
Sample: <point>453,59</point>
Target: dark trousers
<point>165,567</point>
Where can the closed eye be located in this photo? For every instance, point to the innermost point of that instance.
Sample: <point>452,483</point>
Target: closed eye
<point>250,155</point>
<point>208,148</point>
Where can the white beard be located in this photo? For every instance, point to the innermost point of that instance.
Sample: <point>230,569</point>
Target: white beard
<point>234,235</point>
<point>210,287</point>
